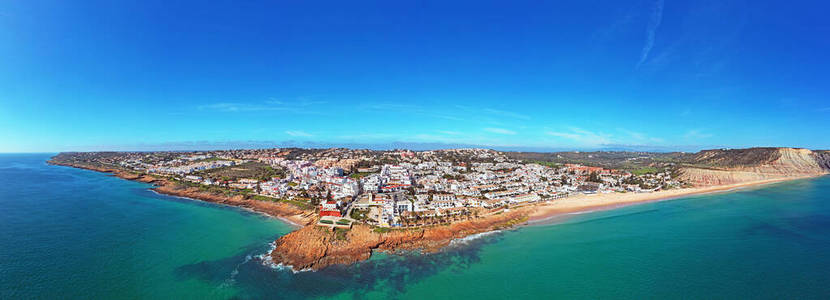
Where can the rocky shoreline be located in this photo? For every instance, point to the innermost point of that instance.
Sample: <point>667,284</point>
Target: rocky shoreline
<point>313,247</point>
<point>284,211</point>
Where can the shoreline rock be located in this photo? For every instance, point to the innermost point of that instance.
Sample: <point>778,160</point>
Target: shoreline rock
<point>283,211</point>
<point>313,247</point>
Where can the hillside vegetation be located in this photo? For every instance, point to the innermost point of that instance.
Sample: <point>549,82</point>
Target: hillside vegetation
<point>636,162</point>
<point>250,170</point>
<point>728,166</point>
<point>707,167</point>
<point>732,158</point>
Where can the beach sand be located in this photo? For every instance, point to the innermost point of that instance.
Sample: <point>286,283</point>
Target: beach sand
<point>585,203</point>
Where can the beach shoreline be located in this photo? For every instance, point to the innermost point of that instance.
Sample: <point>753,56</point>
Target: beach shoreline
<point>544,212</point>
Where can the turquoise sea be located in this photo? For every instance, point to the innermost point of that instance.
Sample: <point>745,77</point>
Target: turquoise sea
<point>69,233</point>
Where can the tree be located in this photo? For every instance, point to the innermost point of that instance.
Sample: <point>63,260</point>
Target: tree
<point>594,177</point>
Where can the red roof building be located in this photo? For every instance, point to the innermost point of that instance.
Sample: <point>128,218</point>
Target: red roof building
<point>329,208</point>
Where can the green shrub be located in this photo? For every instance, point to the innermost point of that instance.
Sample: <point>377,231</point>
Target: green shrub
<point>340,234</point>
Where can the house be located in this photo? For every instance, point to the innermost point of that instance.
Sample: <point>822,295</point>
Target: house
<point>329,208</point>
<point>501,194</point>
<point>491,203</point>
<point>443,197</point>
<point>404,205</point>
<point>248,181</point>
<point>394,187</point>
<point>443,203</point>
<point>525,198</point>
<point>367,200</point>
<point>589,187</point>
<point>455,211</point>
<point>473,202</point>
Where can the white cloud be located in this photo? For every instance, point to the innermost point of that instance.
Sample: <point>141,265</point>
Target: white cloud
<point>227,107</point>
<point>301,106</point>
<point>697,134</point>
<point>583,137</point>
<point>572,136</point>
<point>639,137</point>
<point>506,113</point>
<point>368,135</point>
<point>651,30</point>
<point>500,131</point>
<point>447,132</point>
<point>298,133</point>
<point>633,134</point>
<point>404,108</point>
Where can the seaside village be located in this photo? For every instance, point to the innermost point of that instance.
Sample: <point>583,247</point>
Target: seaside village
<point>398,188</point>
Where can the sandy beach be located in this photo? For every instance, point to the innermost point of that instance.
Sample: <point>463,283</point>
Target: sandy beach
<point>586,203</point>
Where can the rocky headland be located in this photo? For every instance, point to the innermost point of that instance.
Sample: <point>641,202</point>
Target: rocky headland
<point>314,247</point>
<point>285,211</point>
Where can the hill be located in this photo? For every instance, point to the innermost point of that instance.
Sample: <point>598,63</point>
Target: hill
<point>621,160</point>
<point>707,167</point>
<point>729,166</point>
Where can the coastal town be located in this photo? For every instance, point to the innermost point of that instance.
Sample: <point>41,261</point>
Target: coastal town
<point>349,203</point>
<point>398,188</point>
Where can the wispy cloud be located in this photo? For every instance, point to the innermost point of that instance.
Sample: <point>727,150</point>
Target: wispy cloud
<point>301,106</point>
<point>697,134</point>
<point>500,130</point>
<point>412,109</point>
<point>368,136</point>
<point>453,113</point>
<point>582,136</point>
<point>633,134</point>
<point>824,109</point>
<point>507,113</point>
<point>447,132</point>
<point>298,133</point>
<point>651,31</point>
<point>639,137</point>
<point>229,107</point>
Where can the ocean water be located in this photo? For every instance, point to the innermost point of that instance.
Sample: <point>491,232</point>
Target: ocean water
<point>68,233</point>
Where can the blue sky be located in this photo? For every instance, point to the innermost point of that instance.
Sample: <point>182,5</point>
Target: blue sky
<point>112,75</point>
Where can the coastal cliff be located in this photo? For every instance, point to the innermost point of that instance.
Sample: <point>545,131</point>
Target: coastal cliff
<point>314,247</point>
<point>167,187</point>
<point>721,167</point>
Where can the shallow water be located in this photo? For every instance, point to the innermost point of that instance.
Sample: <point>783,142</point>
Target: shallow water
<point>69,233</point>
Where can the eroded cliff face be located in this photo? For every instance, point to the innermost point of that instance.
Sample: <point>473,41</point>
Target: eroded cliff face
<point>276,209</point>
<point>314,247</point>
<point>823,158</point>
<point>772,163</point>
<point>163,186</point>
